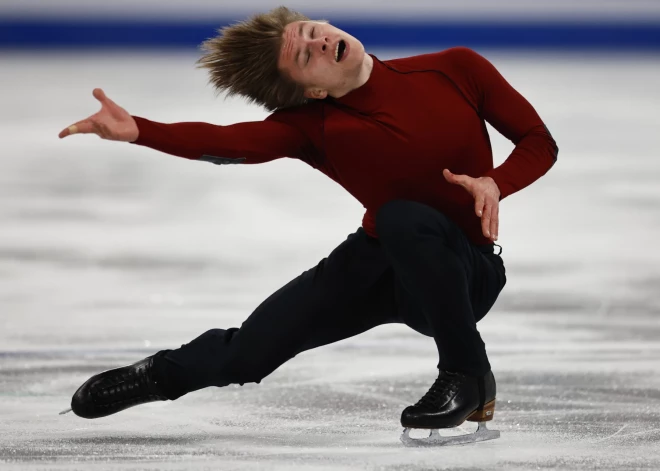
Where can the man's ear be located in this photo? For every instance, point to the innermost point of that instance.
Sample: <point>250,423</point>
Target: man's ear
<point>316,93</point>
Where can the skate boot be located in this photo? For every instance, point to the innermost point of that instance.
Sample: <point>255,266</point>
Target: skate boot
<point>115,390</point>
<point>453,399</point>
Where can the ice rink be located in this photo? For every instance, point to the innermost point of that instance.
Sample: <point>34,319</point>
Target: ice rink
<point>110,252</point>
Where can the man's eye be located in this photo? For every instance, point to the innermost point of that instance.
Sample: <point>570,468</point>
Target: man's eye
<point>307,61</point>
<point>312,33</point>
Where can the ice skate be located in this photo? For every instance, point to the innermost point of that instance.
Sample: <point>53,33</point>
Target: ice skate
<point>115,390</point>
<point>453,399</point>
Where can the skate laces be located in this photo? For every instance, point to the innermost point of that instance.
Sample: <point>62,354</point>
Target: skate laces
<point>125,385</point>
<point>440,390</point>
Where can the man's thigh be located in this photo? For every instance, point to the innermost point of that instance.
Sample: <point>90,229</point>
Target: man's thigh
<point>346,293</point>
<point>486,276</point>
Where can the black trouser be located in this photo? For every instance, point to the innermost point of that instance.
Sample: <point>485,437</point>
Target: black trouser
<point>422,271</point>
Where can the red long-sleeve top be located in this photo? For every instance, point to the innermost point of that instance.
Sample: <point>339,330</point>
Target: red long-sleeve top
<point>392,137</point>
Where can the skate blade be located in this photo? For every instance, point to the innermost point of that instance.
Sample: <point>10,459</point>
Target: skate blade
<point>65,411</point>
<point>435,439</point>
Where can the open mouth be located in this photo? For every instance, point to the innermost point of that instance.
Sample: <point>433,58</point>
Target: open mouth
<point>340,49</point>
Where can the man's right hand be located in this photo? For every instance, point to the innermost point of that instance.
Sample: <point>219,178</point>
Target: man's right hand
<point>112,122</point>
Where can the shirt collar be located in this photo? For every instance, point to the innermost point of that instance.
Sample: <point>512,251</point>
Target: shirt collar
<point>369,97</point>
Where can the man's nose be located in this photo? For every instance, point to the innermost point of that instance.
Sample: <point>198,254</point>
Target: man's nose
<point>321,44</point>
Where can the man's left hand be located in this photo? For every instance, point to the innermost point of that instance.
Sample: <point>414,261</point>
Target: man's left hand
<point>486,196</point>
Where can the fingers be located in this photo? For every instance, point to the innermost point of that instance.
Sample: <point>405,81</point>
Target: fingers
<point>486,207</point>
<point>479,204</point>
<point>68,131</point>
<point>86,126</point>
<point>485,221</point>
<point>98,123</point>
<point>81,127</point>
<point>100,95</point>
<point>495,221</point>
<point>490,222</point>
<point>462,180</point>
<point>451,178</point>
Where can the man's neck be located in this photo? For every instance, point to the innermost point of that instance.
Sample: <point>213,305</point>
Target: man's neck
<point>362,78</point>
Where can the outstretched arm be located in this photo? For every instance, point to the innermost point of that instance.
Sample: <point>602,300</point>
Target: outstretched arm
<point>251,142</point>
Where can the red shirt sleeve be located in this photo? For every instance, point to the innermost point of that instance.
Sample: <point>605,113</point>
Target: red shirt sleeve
<point>512,116</point>
<point>249,142</point>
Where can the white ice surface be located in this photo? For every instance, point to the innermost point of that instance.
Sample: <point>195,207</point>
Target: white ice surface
<point>109,252</point>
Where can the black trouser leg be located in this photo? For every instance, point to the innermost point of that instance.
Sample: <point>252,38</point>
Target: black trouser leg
<point>347,293</point>
<point>453,282</point>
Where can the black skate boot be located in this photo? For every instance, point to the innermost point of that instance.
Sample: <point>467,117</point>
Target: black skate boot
<point>453,399</point>
<point>115,390</point>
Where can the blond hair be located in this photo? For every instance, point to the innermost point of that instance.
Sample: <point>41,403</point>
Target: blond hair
<point>243,60</point>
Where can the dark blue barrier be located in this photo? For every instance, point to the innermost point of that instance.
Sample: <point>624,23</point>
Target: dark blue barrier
<point>22,33</point>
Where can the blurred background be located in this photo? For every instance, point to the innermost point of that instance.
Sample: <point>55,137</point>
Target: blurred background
<point>109,252</point>
<point>518,24</point>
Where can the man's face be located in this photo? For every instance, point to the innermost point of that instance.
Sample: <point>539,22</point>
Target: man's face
<point>320,57</point>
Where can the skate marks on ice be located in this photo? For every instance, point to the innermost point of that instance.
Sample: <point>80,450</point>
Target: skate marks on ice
<point>336,409</point>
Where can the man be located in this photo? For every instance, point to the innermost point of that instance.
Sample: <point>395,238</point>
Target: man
<point>407,138</point>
